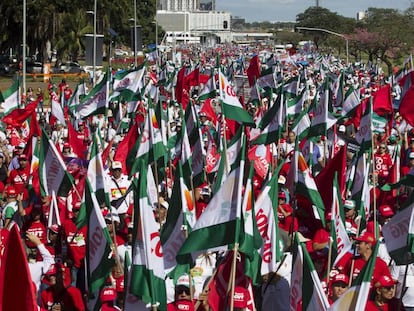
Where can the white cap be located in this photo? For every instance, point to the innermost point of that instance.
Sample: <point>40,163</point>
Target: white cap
<point>281,180</point>
<point>116,165</point>
<point>342,128</point>
<point>411,156</point>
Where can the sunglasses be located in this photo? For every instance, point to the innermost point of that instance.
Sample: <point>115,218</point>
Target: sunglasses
<point>341,285</point>
<point>388,287</point>
<point>181,289</point>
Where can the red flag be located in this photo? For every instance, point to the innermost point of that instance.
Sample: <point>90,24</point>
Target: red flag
<point>326,176</point>
<point>262,157</point>
<point>217,297</point>
<point>125,146</point>
<point>77,145</point>
<point>407,106</point>
<point>209,111</point>
<point>253,72</point>
<point>382,101</point>
<point>192,79</point>
<point>18,116</point>
<point>179,85</point>
<point>15,278</point>
<point>106,152</point>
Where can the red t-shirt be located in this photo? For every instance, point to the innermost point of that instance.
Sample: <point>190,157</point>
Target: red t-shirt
<point>383,164</point>
<point>19,178</point>
<point>37,228</point>
<point>75,241</point>
<point>71,299</point>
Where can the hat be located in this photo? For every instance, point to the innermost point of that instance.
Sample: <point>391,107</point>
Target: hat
<point>366,237</point>
<point>185,305</point>
<point>349,204</point>
<point>340,277</point>
<point>22,157</point>
<point>163,203</point>
<point>52,270</point>
<point>108,294</point>
<point>66,145</point>
<point>21,145</point>
<point>386,211</point>
<point>328,216</point>
<point>385,281</point>
<point>392,139</point>
<point>81,123</point>
<point>282,195</point>
<point>281,180</point>
<point>202,114</point>
<point>411,156</point>
<point>54,228</point>
<point>183,280</point>
<point>116,165</point>
<point>342,128</point>
<point>11,191</point>
<point>241,297</point>
<point>205,191</point>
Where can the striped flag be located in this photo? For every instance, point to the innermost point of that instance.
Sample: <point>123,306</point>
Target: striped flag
<point>96,102</point>
<point>10,98</point>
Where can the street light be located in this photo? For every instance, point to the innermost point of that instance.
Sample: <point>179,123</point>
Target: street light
<point>135,34</point>
<point>94,41</point>
<point>24,47</point>
<point>332,33</point>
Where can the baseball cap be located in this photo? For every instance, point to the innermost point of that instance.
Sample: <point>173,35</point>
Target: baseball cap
<point>54,228</point>
<point>366,237</point>
<point>386,211</point>
<point>116,165</point>
<point>340,277</point>
<point>108,294</point>
<point>241,297</point>
<point>66,145</point>
<point>282,195</point>
<point>392,139</point>
<point>411,156</point>
<point>183,280</point>
<point>385,281</point>
<point>163,203</point>
<point>11,191</point>
<point>342,128</point>
<point>21,145</point>
<point>22,157</point>
<point>349,204</point>
<point>281,180</point>
<point>202,114</point>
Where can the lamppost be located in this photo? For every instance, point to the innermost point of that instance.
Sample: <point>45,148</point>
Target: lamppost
<point>94,41</point>
<point>332,33</point>
<point>24,47</point>
<point>135,34</point>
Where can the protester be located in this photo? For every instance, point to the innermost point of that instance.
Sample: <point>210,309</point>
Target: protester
<point>384,296</point>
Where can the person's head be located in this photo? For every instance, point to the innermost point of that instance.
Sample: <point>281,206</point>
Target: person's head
<point>365,244</point>
<point>161,210</point>
<point>11,193</point>
<point>22,161</point>
<point>385,214</point>
<point>281,197</point>
<point>349,207</point>
<point>182,288</point>
<point>116,169</point>
<point>54,276</point>
<point>291,137</point>
<point>53,232</point>
<point>382,149</point>
<point>384,289</point>
<point>20,148</point>
<point>66,148</point>
<point>339,285</point>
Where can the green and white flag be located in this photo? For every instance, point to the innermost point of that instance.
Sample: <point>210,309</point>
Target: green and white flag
<point>96,102</point>
<point>10,98</point>
<point>147,271</point>
<point>53,174</point>
<point>232,108</point>
<point>217,224</point>
<point>128,84</point>
<point>296,104</point>
<point>209,90</point>
<point>271,124</point>
<point>364,134</point>
<point>98,246</point>
<point>351,101</point>
<point>301,125</point>
<point>322,119</point>
<point>356,297</point>
<point>378,123</point>
<point>305,285</point>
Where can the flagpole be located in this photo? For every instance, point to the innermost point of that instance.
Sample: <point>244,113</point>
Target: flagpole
<point>375,173</point>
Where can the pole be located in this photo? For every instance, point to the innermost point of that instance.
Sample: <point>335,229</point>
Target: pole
<point>332,33</point>
<point>135,34</point>
<point>24,47</point>
<point>94,43</point>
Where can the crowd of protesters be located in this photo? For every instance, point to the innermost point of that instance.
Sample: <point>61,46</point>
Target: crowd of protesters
<point>56,251</point>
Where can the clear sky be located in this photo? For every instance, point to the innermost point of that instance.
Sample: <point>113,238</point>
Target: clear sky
<point>286,10</point>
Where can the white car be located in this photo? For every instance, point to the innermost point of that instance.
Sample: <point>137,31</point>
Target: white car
<point>120,52</point>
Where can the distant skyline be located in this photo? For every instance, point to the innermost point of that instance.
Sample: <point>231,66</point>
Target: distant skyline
<point>286,10</point>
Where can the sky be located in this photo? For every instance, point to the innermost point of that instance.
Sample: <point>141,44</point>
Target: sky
<point>286,10</point>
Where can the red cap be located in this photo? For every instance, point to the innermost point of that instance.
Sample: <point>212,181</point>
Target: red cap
<point>66,145</point>
<point>386,211</point>
<point>241,297</point>
<point>22,157</point>
<point>340,277</point>
<point>385,281</point>
<point>366,237</point>
<point>54,228</point>
<point>282,195</point>
<point>11,191</point>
